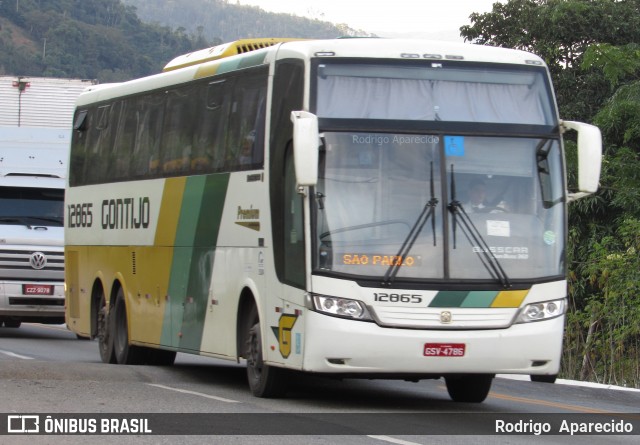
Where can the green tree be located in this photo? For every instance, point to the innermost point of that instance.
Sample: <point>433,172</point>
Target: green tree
<point>560,31</point>
<point>612,265</point>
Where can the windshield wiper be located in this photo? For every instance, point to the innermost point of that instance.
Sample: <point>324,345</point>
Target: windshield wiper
<point>487,258</point>
<point>426,214</point>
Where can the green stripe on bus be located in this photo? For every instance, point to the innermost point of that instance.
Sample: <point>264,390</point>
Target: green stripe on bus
<point>477,299</point>
<point>238,63</point>
<point>449,299</point>
<point>180,266</point>
<point>197,233</point>
<point>225,66</point>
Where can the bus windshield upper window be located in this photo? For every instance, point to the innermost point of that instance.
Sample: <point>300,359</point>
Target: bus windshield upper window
<point>433,92</point>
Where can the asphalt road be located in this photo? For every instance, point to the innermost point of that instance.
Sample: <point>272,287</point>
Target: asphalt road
<point>45,370</point>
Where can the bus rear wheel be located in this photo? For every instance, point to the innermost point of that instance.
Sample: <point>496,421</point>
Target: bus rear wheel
<point>125,353</point>
<point>472,388</point>
<point>264,380</point>
<point>104,333</point>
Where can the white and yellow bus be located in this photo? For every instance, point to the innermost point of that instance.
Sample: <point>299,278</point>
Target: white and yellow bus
<point>306,206</point>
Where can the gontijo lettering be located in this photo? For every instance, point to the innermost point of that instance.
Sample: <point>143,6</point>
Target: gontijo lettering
<point>126,213</point>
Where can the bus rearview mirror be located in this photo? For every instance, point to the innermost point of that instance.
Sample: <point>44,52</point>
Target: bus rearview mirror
<point>306,141</point>
<point>589,157</point>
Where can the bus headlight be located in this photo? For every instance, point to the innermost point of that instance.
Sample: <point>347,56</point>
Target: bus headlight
<point>541,311</point>
<point>341,307</point>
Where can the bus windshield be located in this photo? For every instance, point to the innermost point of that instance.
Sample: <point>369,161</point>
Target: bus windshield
<point>439,207</point>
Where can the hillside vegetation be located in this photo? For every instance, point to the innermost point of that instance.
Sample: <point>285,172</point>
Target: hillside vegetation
<point>107,40</point>
<point>224,21</point>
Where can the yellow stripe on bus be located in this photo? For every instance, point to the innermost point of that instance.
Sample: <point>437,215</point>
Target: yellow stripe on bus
<point>510,298</point>
<point>170,211</point>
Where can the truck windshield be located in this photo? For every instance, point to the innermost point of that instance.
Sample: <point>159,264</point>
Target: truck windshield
<point>31,206</point>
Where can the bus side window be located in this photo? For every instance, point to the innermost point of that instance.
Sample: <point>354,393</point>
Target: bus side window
<point>246,123</point>
<point>288,93</point>
<point>177,131</point>
<point>293,225</point>
<point>210,127</point>
<point>80,147</point>
<point>123,142</point>
<point>96,127</point>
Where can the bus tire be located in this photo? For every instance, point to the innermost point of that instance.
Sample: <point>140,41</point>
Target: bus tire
<point>125,353</point>
<point>544,378</point>
<point>472,388</point>
<point>12,324</point>
<point>264,380</point>
<point>105,332</point>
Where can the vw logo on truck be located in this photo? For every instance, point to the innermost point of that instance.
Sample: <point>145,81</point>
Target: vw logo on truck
<point>38,260</point>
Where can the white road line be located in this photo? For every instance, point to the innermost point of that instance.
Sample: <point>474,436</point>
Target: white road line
<point>393,440</point>
<point>185,391</point>
<point>13,354</point>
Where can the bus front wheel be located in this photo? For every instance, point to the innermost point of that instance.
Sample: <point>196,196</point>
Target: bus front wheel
<point>264,380</point>
<point>472,388</point>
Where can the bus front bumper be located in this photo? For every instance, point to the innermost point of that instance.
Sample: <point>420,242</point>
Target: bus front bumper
<point>342,346</point>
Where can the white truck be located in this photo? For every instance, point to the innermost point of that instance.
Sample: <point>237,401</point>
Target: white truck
<point>33,164</point>
<point>36,116</point>
<point>39,102</point>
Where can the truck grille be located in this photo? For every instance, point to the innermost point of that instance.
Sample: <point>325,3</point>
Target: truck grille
<point>38,265</point>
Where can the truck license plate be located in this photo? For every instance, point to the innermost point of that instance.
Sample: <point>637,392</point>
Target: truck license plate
<point>444,349</point>
<point>37,289</point>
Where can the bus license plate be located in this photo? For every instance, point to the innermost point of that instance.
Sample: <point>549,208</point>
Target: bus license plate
<point>444,349</point>
<point>37,289</point>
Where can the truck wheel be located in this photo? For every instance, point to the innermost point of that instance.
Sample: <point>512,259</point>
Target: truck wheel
<point>12,324</point>
<point>125,353</point>
<point>472,388</point>
<point>264,380</point>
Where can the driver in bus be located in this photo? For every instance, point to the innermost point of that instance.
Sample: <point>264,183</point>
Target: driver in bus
<point>478,203</point>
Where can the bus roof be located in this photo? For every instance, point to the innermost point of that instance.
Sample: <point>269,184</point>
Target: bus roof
<point>221,51</point>
<point>417,49</point>
<point>253,52</point>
